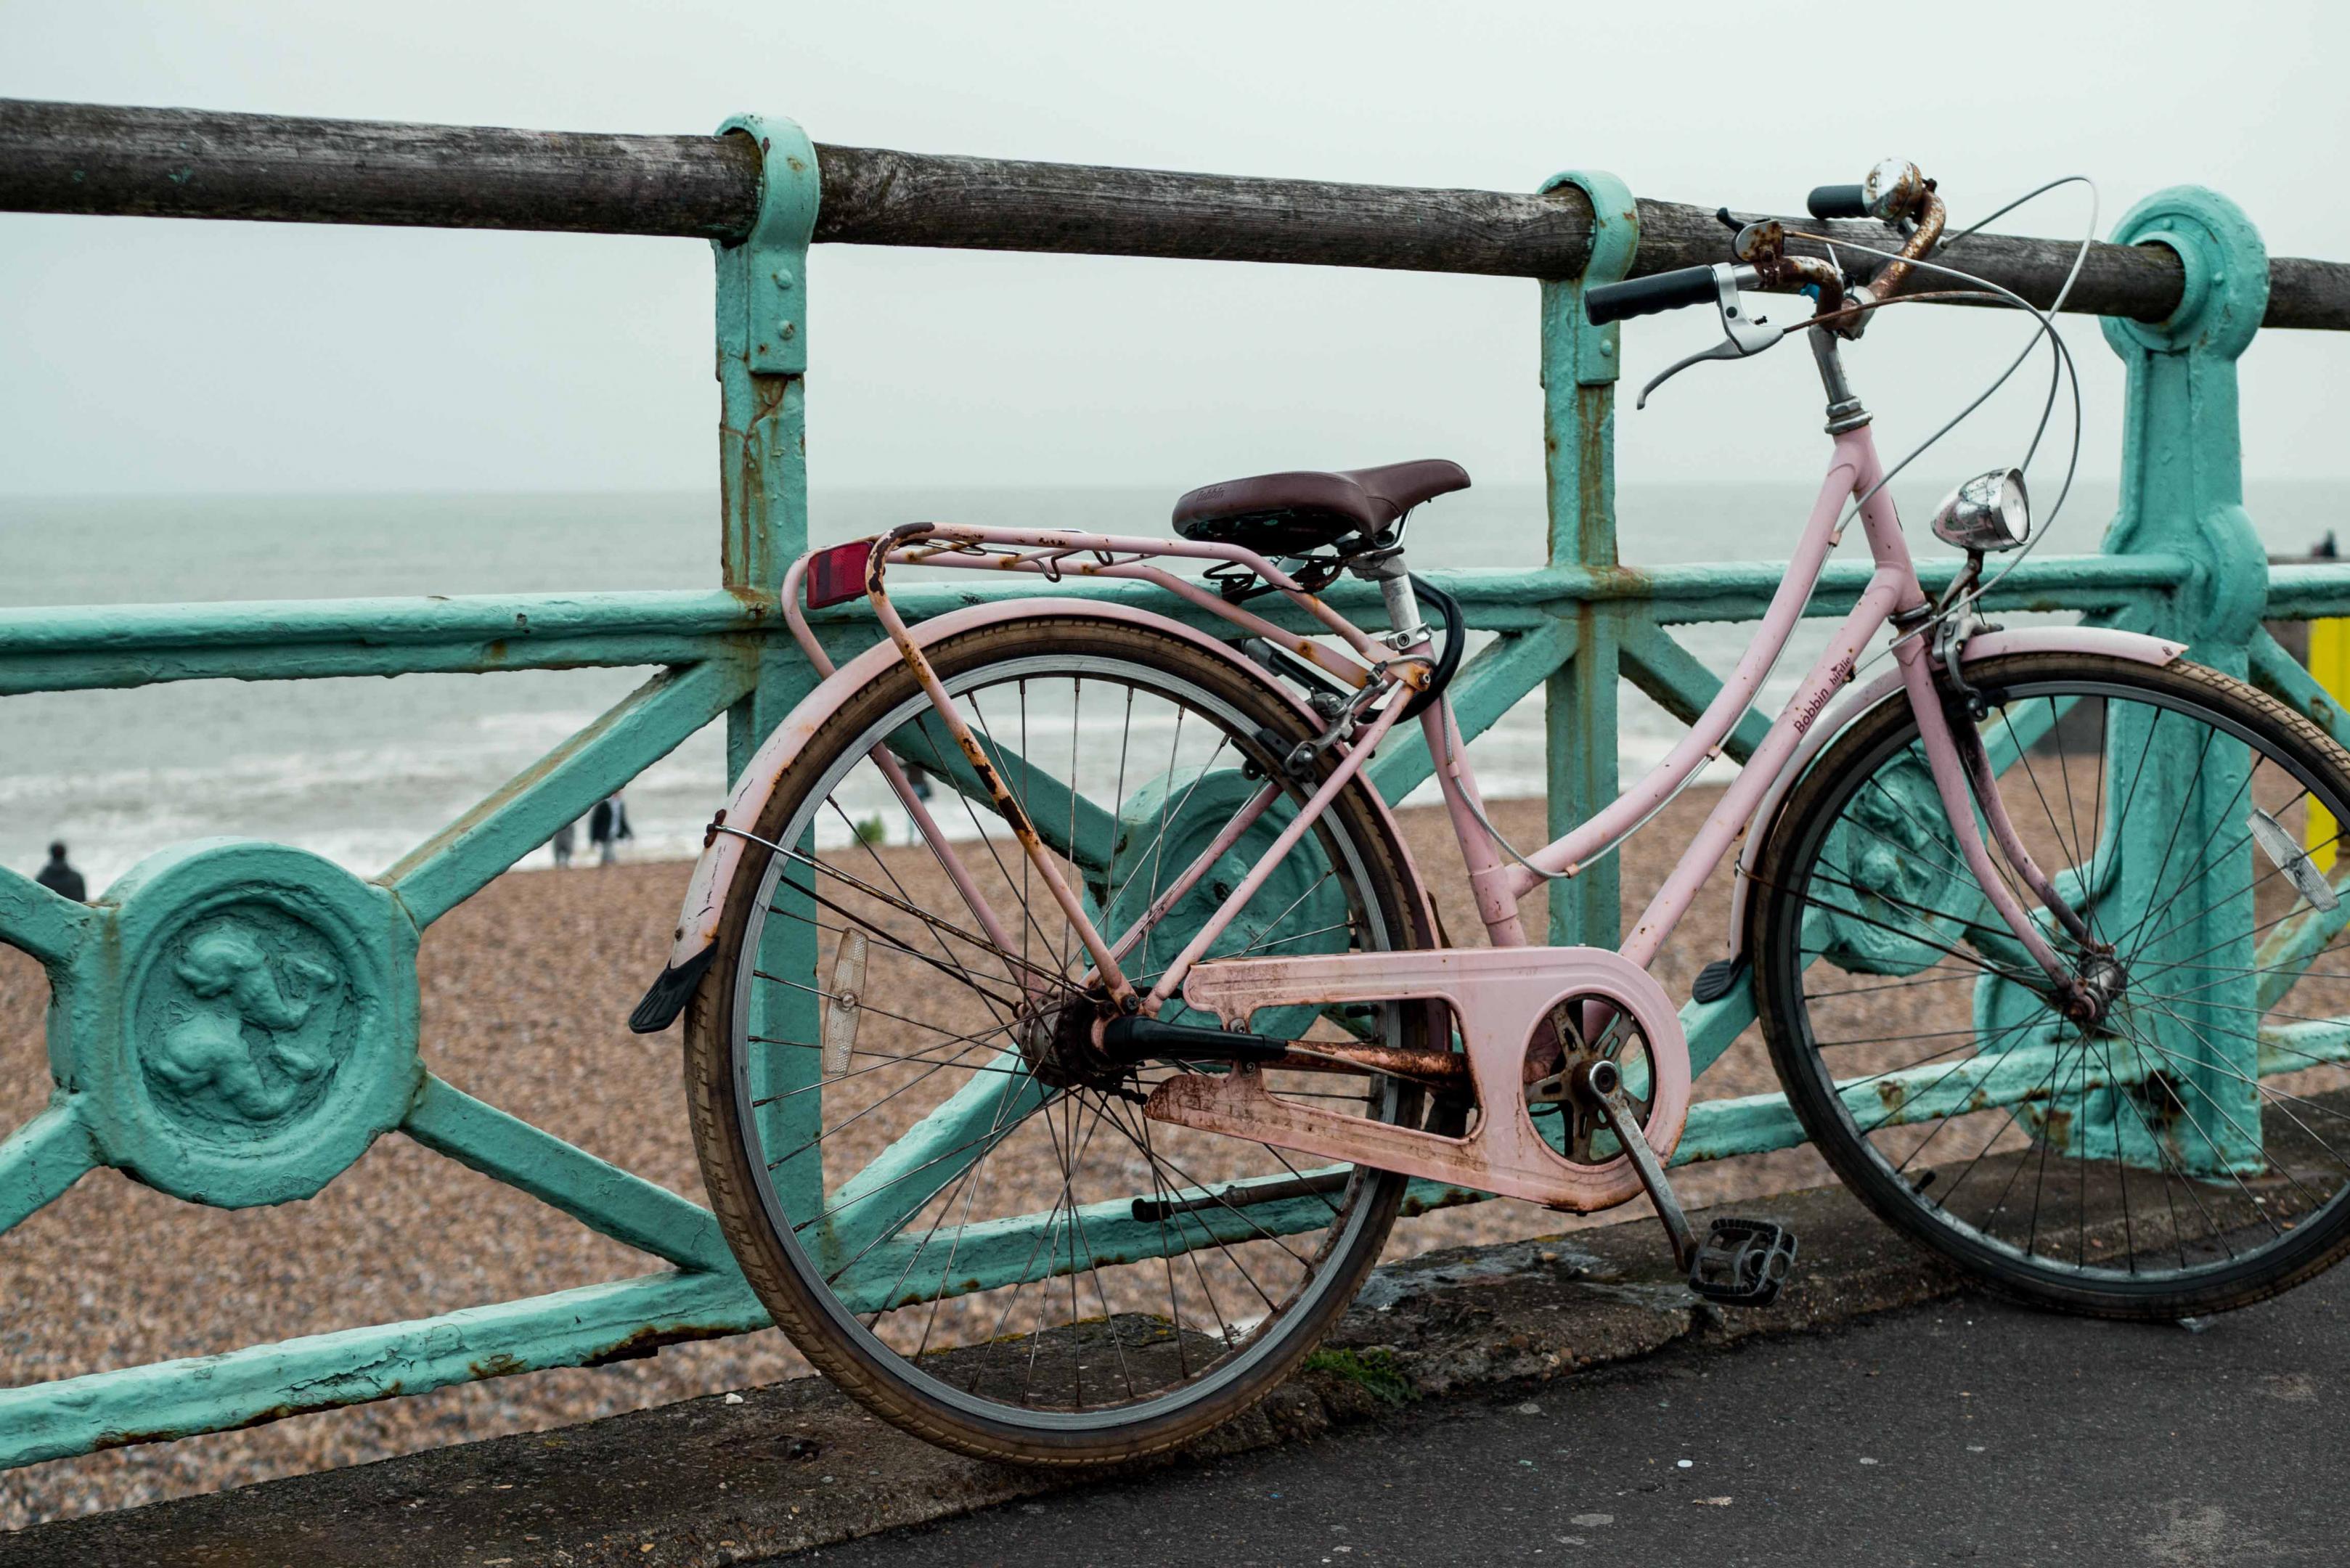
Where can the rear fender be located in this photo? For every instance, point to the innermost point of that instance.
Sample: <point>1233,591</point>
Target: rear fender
<point>2130,645</point>
<point>724,852</point>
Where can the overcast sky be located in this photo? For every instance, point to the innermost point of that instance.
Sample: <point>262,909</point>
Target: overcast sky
<point>155,356</point>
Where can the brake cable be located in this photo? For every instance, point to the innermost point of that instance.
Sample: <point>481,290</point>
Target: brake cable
<point>2062,371</point>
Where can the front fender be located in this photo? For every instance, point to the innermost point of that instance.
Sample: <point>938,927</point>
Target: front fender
<point>696,936</point>
<point>2103,641</point>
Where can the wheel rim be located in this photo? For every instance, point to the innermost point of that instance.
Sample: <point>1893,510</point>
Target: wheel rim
<point>2188,1138</point>
<point>1083,1351</point>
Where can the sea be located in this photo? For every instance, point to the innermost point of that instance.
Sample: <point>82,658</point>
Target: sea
<point>362,770</point>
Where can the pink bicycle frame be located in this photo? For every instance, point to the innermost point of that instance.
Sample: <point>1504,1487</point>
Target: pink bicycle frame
<point>1484,992</point>
<point>1893,589</point>
<point>1498,884</point>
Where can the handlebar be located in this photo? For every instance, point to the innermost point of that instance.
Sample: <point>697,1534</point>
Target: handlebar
<point>1838,201</point>
<point>1648,295</point>
<point>1895,192</point>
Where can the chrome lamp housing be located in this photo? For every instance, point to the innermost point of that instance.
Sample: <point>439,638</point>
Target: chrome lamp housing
<point>1988,513</point>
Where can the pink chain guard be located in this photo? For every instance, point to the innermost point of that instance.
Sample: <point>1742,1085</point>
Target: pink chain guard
<point>1498,996</point>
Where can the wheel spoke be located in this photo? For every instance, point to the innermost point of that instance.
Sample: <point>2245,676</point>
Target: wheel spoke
<point>962,1186</point>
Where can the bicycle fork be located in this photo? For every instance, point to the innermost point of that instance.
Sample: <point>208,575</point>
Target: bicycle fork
<point>1745,1260</point>
<point>1961,766</point>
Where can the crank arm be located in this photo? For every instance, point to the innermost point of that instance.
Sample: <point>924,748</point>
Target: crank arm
<point>1601,1085</point>
<point>1743,1262</point>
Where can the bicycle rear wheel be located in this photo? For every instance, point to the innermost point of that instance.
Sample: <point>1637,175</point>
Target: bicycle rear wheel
<point>959,1215</point>
<point>2186,1153</point>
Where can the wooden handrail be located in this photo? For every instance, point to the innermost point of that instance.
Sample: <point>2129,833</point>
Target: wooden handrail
<point>200,163</point>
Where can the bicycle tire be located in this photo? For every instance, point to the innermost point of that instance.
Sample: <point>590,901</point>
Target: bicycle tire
<point>1792,887</point>
<point>779,1270</point>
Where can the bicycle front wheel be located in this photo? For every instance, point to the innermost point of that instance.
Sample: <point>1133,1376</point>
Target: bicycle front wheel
<point>2187,1151</point>
<point>954,1207</point>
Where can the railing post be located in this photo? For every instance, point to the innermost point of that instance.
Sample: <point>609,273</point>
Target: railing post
<point>762,476</point>
<point>762,426</point>
<point>2183,490</point>
<point>2182,495</point>
<point>1580,364</point>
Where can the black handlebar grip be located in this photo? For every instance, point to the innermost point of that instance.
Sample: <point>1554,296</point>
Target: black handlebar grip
<point>1838,202</point>
<point>1646,295</point>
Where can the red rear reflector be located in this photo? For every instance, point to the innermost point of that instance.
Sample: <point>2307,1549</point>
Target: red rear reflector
<point>837,574</point>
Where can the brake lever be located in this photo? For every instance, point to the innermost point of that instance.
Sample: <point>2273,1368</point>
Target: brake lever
<point>1743,336</point>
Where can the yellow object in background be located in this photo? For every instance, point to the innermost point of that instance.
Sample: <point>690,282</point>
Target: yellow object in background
<point>2329,661</point>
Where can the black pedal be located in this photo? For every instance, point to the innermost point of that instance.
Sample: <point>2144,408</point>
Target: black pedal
<point>1718,978</point>
<point>1743,1262</point>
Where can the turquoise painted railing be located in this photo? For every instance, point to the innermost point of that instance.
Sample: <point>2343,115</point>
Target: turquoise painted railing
<point>158,986</point>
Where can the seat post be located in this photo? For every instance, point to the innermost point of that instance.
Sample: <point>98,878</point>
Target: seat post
<point>1385,568</point>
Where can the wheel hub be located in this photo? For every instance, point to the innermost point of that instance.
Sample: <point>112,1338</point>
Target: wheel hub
<point>2097,985</point>
<point>1058,1039</point>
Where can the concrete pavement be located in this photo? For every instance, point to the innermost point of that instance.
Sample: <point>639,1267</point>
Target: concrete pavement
<point>1964,1431</point>
<point>741,1477</point>
<point>1997,1436</point>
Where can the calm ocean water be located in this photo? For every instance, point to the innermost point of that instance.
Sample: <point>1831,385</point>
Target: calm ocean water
<point>360,769</point>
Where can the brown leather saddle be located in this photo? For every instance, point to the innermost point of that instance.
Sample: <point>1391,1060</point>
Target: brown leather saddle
<point>1292,514</point>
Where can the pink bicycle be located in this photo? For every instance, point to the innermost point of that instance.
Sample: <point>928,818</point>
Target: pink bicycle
<point>1067,1016</point>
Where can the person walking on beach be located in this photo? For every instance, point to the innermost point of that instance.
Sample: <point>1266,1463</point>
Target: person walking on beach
<point>61,878</point>
<point>606,826</point>
<point>565,837</point>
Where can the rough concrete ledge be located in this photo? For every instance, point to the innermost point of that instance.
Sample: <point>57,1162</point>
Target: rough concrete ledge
<point>739,1478</point>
